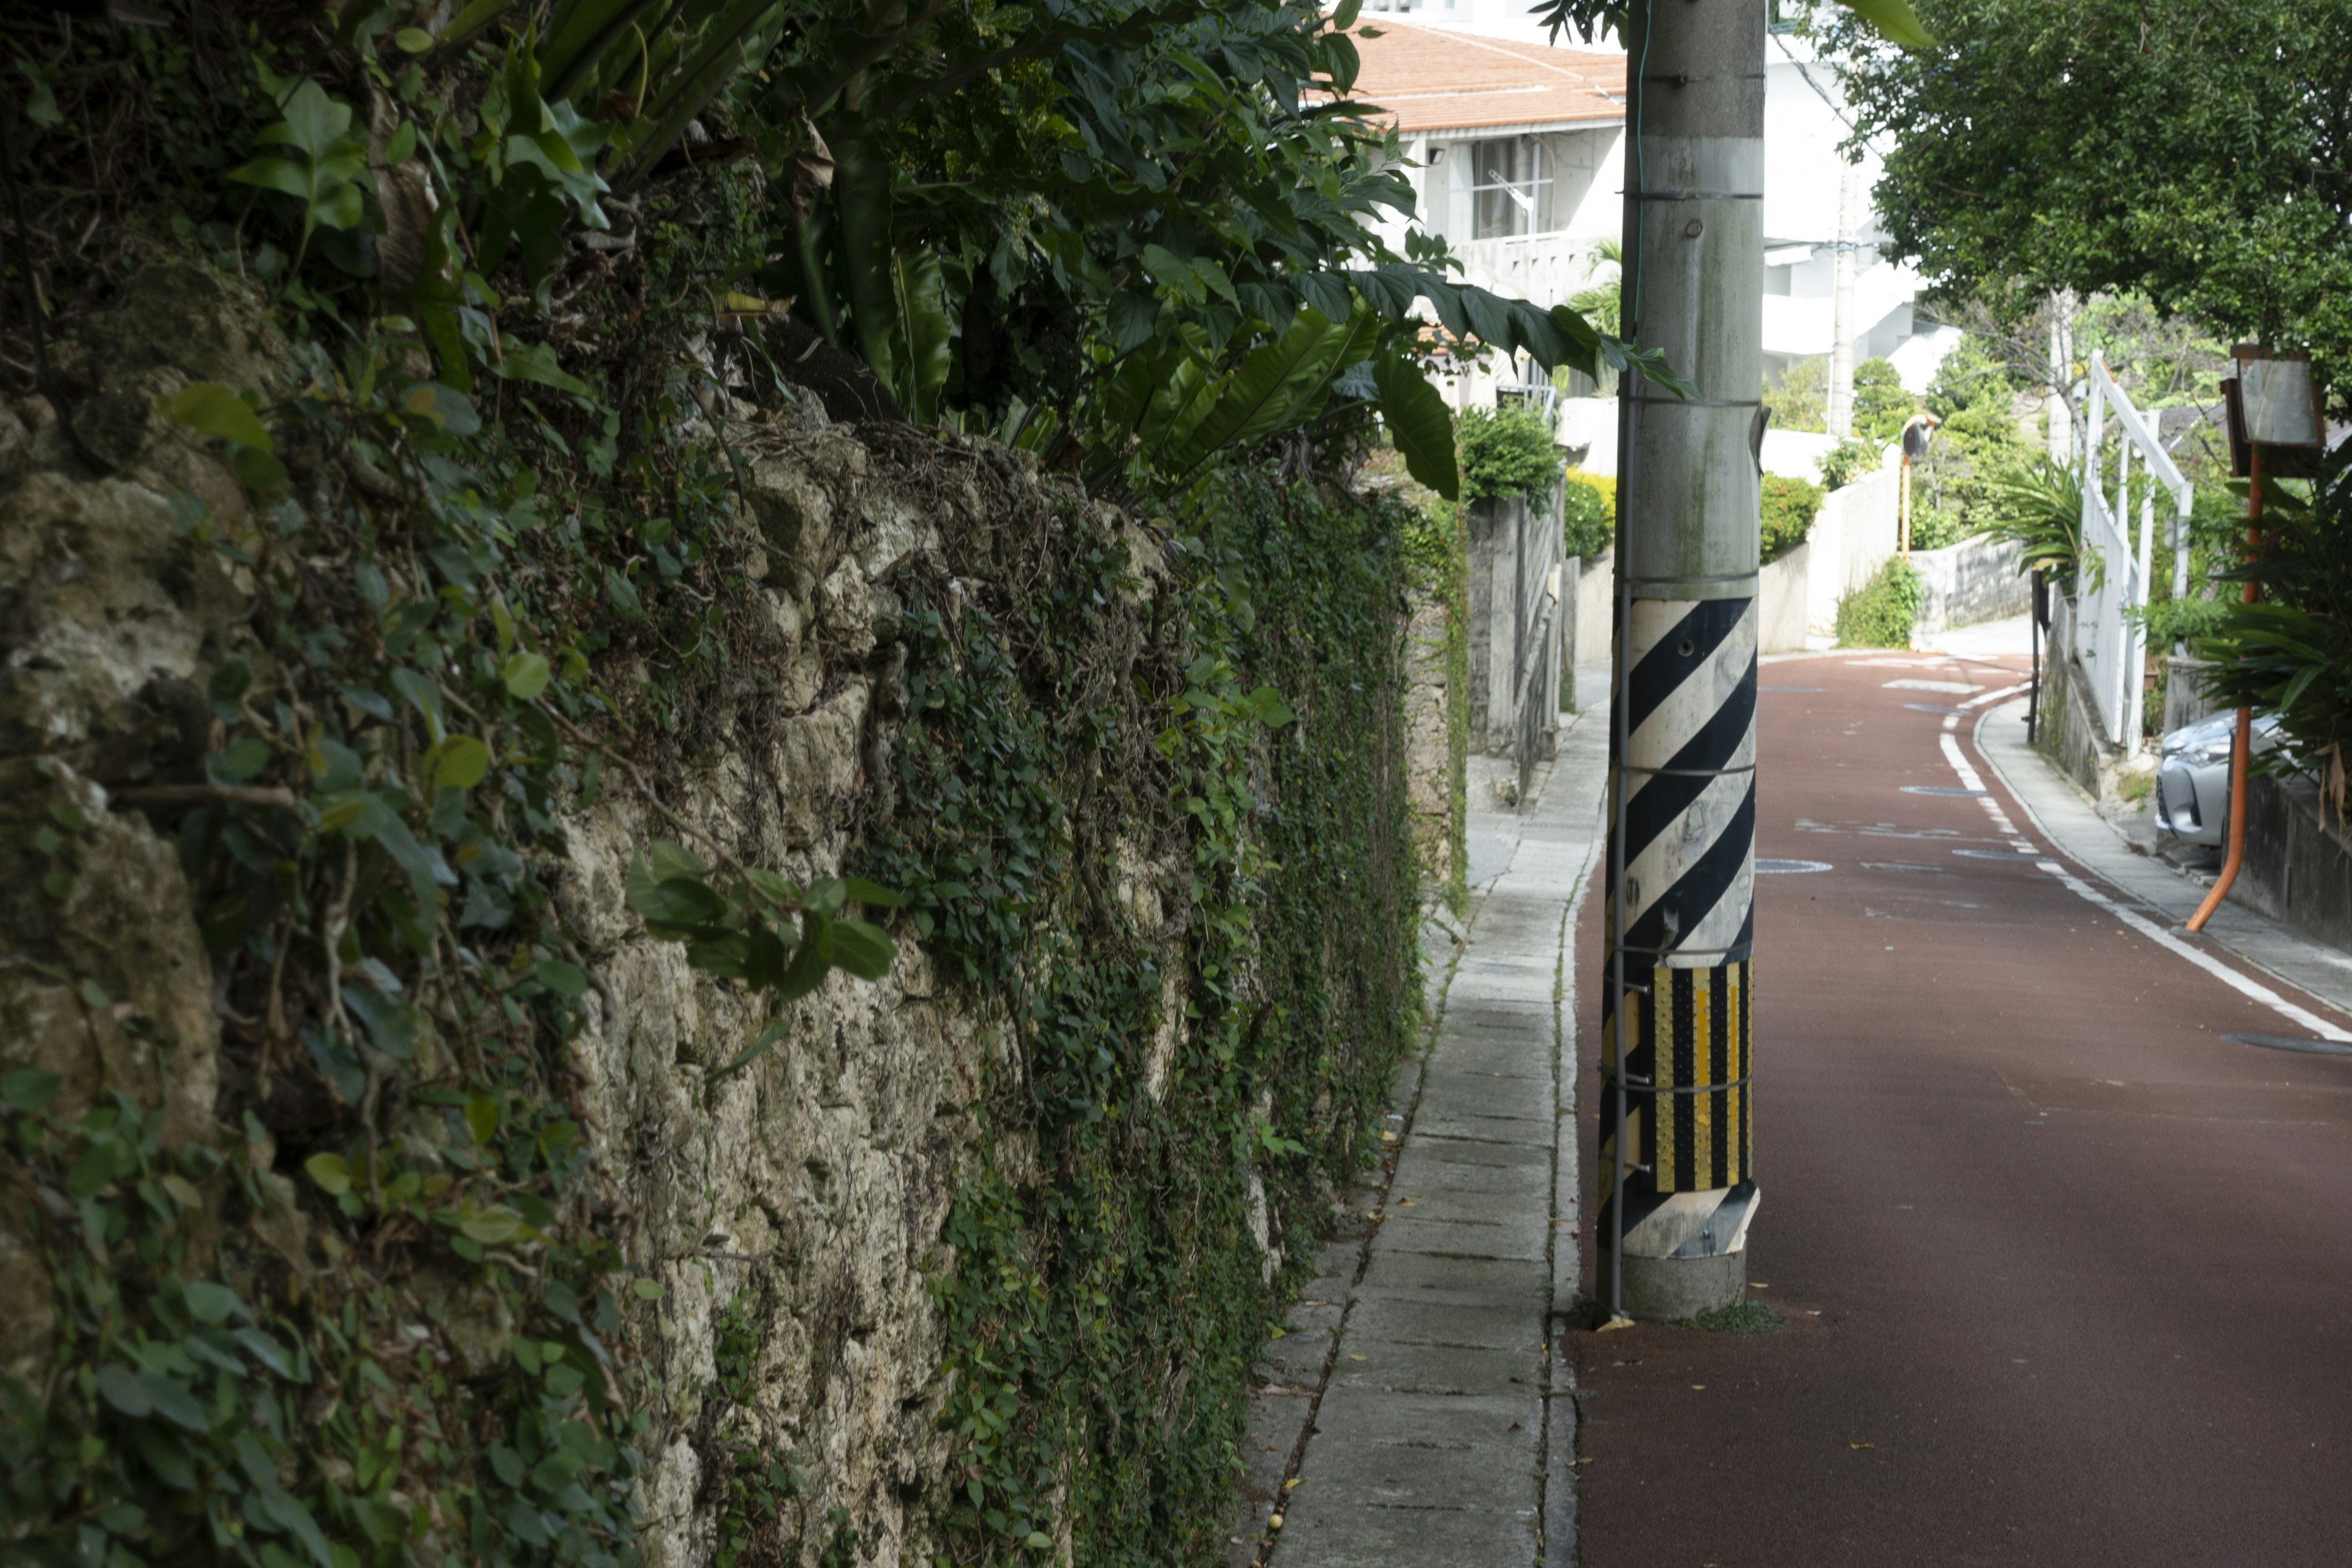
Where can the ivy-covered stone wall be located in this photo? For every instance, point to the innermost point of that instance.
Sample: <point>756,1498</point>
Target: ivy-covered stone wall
<point>409,1157</point>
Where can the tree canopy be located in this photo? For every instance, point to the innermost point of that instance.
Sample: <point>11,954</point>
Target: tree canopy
<point>2195,153</point>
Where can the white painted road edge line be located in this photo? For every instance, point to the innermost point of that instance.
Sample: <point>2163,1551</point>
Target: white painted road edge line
<point>1997,696</point>
<point>2206,961</point>
<point>2148,927</point>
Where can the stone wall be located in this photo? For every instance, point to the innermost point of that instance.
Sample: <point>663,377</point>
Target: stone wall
<point>796,1214</point>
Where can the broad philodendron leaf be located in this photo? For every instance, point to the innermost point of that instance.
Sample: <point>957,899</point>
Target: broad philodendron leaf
<point>926,337</point>
<point>1419,423</point>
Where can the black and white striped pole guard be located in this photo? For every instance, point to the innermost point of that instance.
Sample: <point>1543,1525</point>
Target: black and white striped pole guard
<point>1676,1190</point>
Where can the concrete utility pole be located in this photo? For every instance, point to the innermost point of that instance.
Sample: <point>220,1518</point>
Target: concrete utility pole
<point>1843,268</point>
<point>1675,1194</point>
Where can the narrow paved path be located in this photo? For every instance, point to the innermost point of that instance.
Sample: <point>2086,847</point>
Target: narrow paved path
<point>1432,1441</point>
<point>2067,1274</point>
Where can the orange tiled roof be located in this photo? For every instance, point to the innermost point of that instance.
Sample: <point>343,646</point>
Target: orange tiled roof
<point>1425,78</point>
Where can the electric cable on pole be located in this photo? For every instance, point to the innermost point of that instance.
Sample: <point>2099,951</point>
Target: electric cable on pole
<point>1676,1193</point>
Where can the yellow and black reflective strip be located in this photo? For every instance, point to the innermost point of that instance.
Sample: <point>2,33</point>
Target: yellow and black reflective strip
<point>1700,1044</point>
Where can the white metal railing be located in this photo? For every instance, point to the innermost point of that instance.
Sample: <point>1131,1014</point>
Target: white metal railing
<point>2111,582</point>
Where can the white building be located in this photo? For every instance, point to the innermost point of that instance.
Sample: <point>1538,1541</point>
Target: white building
<point>1517,148</point>
<point>1521,154</point>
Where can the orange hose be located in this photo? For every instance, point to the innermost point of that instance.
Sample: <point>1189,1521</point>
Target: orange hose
<point>2245,744</point>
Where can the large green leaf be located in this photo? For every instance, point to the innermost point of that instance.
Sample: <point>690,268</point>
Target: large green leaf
<point>1268,391</point>
<point>925,338</point>
<point>1419,423</point>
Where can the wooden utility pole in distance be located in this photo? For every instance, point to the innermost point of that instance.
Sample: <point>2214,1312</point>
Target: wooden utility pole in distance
<point>1675,1194</point>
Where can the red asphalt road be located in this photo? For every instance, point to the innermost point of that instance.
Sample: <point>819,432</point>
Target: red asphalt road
<point>2068,1276</point>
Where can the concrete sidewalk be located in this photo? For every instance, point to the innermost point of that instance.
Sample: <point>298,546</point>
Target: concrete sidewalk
<point>2074,827</point>
<point>1438,1429</point>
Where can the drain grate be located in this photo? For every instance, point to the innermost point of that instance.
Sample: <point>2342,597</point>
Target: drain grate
<point>1946,789</point>
<point>2293,1042</point>
<point>1932,708</point>
<point>2017,855</point>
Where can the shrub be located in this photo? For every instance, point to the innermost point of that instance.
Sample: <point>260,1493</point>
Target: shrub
<point>1589,504</point>
<point>1508,452</point>
<point>1790,508</point>
<point>1934,527</point>
<point>1848,461</point>
<point>1882,612</point>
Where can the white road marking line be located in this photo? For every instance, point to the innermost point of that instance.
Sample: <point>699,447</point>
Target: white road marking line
<point>2206,961</point>
<point>1951,686</point>
<point>1997,696</point>
<point>2164,939</point>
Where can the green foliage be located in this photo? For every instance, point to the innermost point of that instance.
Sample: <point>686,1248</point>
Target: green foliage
<point>1788,509</point>
<point>1588,514</point>
<point>495,538</point>
<point>1893,20</point>
<point>1602,301</point>
<point>2108,147</point>
<point>2290,653</point>
<point>2040,505</point>
<point>1508,452</point>
<point>1882,612</point>
<point>1801,400</point>
<point>1076,1414</point>
<point>1882,405</point>
<point>1934,527</point>
<point>742,929</point>
<point>1848,461</point>
<point>312,1428</point>
<point>1743,1319</point>
<point>1978,438</point>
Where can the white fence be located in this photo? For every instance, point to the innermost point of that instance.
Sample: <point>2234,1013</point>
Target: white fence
<point>2111,581</point>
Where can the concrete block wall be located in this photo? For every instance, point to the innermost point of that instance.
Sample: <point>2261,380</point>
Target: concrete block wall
<point>2298,866</point>
<point>1782,592</point>
<point>1973,581</point>
<point>1852,537</point>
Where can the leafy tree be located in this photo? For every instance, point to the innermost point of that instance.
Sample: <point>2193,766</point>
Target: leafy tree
<point>1882,404</point>
<point>2115,146</point>
<point>1978,437</point>
<point>1801,400</point>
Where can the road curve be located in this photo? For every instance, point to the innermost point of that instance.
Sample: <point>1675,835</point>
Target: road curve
<point>2068,1276</point>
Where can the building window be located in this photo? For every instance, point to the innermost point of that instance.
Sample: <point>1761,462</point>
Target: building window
<point>1506,181</point>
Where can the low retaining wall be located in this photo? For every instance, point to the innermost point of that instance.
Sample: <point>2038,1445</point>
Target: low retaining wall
<point>2067,729</point>
<point>1596,592</point>
<point>1852,538</point>
<point>2298,866</point>
<point>1974,581</point>
<point>1782,591</point>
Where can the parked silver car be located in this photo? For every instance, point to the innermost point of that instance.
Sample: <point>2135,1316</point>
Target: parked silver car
<point>2193,781</point>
